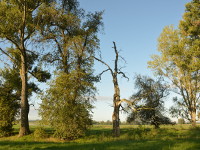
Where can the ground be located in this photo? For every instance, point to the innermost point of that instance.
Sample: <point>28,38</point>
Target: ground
<point>133,137</point>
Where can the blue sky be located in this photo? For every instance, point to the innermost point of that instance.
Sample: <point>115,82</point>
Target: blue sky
<point>135,26</point>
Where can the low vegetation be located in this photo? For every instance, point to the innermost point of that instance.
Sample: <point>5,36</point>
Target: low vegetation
<point>177,137</point>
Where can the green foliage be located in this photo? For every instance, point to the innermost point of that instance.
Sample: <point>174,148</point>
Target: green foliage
<point>181,121</point>
<point>179,61</point>
<point>9,100</point>
<point>18,27</point>
<point>39,133</point>
<point>66,105</point>
<point>99,137</point>
<point>148,101</point>
<point>73,33</point>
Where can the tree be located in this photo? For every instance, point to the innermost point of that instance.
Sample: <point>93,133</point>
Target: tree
<point>116,97</point>
<point>68,112</point>
<point>17,27</point>
<point>149,101</point>
<point>180,60</point>
<point>74,35</point>
<point>11,92</point>
<point>9,100</point>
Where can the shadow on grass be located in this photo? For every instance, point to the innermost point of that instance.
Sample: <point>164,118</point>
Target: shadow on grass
<point>162,139</point>
<point>180,144</point>
<point>115,145</point>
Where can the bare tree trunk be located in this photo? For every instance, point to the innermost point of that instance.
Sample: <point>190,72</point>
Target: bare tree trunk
<point>24,126</point>
<point>193,118</point>
<point>116,104</point>
<point>116,121</point>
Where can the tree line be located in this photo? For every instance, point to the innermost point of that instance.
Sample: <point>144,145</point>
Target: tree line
<point>58,38</point>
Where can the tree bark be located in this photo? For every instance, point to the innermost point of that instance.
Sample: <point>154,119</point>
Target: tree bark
<point>193,118</point>
<point>116,121</point>
<point>116,98</point>
<point>116,103</point>
<point>24,125</point>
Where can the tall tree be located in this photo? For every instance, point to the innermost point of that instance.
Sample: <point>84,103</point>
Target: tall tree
<point>17,26</point>
<point>74,36</point>
<point>72,33</point>
<point>180,59</point>
<point>116,97</point>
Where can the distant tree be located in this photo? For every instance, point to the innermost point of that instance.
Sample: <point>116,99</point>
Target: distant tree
<point>181,121</point>
<point>149,101</point>
<point>116,97</point>
<point>180,61</point>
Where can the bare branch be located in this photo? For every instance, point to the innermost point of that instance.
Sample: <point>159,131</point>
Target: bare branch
<point>124,109</point>
<point>123,59</point>
<point>32,74</point>
<point>123,74</point>
<point>116,57</point>
<point>145,108</point>
<point>104,64</point>
<point>103,73</point>
<point>15,43</point>
<point>7,54</point>
<point>28,36</point>
<point>59,48</point>
<point>130,103</point>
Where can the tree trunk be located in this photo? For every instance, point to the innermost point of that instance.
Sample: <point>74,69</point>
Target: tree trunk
<point>116,121</point>
<point>193,118</point>
<point>115,116</point>
<point>24,126</point>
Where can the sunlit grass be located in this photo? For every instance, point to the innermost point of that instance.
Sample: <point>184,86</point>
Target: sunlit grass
<point>178,137</point>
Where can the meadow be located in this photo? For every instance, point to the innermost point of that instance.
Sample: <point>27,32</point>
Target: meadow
<point>133,137</point>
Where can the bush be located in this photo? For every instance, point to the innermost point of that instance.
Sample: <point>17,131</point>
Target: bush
<point>40,133</point>
<point>5,129</point>
<point>181,121</point>
<point>8,111</point>
<point>66,107</point>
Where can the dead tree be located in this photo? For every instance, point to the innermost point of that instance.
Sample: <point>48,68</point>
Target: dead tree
<point>116,97</point>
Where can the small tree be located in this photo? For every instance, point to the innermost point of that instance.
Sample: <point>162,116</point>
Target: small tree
<point>68,112</point>
<point>9,100</point>
<point>10,92</point>
<point>181,121</point>
<point>149,101</point>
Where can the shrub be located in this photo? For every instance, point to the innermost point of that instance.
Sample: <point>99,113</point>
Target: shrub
<point>181,121</point>
<point>40,133</point>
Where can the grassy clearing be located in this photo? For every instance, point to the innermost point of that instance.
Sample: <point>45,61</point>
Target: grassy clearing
<point>178,137</point>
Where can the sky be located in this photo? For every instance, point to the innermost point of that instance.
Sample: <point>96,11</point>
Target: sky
<point>135,26</point>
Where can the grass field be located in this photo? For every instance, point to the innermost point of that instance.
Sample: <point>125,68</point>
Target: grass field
<point>178,137</point>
